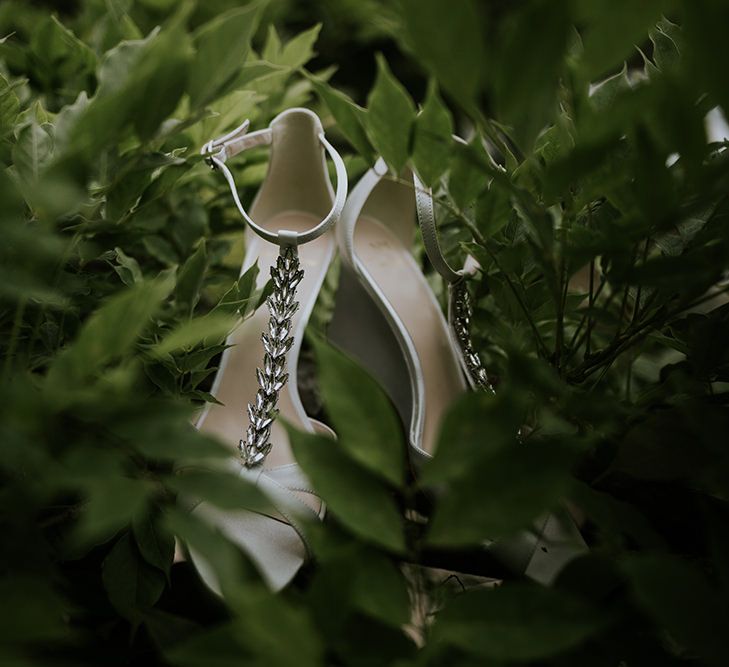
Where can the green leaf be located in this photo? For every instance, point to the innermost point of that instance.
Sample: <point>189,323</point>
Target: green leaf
<point>190,279</point>
<point>154,542</point>
<point>127,268</point>
<point>493,210</point>
<point>220,646</point>
<point>35,611</point>
<point>447,38</point>
<point>433,137</point>
<point>299,50</point>
<point>350,117</point>
<point>64,124</point>
<point>199,359</point>
<point>680,598</point>
<point>390,117</point>
<point>665,51</point>
<point>239,299</point>
<point>129,76</point>
<point>272,48</point>
<point>161,186</point>
<point>167,629</point>
<point>380,590</point>
<point>501,489</point>
<point>231,570</point>
<point>707,58</point>
<point>111,504</point>
<point>365,421</point>
<point>59,56</point>
<point>255,637</point>
<point>128,187</point>
<point>356,497</point>
<point>225,490</point>
<point>131,584</point>
<point>516,622</point>
<point>33,151</point>
<point>9,107</point>
<point>476,427</point>
<point>616,516</point>
<point>228,112</point>
<point>612,30</point>
<point>161,249</point>
<point>467,178</point>
<point>222,46</point>
<point>498,500</point>
<point>261,612</point>
<point>604,94</point>
<point>159,432</point>
<point>108,334</point>
<point>525,82</point>
<point>211,327</point>
<point>270,75</point>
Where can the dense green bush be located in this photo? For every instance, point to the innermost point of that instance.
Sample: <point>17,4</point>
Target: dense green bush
<point>600,219</point>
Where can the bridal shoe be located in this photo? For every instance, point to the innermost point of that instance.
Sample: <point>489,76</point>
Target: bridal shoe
<point>289,235</point>
<point>387,317</point>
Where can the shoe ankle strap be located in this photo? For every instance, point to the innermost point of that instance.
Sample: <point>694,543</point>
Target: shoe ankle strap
<point>426,219</point>
<point>218,151</point>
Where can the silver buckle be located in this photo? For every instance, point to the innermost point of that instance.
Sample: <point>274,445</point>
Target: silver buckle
<point>221,143</point>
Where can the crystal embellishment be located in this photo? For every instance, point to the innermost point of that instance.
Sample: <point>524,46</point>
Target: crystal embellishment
<point>277,341</point>
<point>462,314</point>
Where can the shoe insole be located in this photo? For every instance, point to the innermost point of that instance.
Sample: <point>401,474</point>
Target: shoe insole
<point>236,384</point>
<point>392,267</point>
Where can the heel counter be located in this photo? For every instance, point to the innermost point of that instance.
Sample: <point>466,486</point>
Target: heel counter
<point>297,178</point>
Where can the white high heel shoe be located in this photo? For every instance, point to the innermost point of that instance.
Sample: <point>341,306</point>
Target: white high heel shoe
<point>289,235</point>
<point>387,317</point>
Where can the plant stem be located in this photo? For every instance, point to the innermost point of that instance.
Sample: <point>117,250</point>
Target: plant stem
<point>629,377</point>
<point>562,302</point>
<point>635,334</point>
<point>590,304</point>
<point>537,336</point>
<point>592,297</point>
<point>636,307</point>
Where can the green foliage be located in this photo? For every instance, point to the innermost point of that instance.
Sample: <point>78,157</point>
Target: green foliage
<point>355,496</point>
<point>365,422</point>
<point>433,131</point>
<point>390,117</point>
<point>597,210</point>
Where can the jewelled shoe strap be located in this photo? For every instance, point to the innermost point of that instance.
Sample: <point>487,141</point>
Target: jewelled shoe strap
<point>286,275</point>
<point>460,308</point>
<point>277,341</point>
<point>460,316</point>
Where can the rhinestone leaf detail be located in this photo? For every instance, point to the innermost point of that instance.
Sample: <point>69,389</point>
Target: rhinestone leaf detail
<point>462,314</point>
<point>277,341</point>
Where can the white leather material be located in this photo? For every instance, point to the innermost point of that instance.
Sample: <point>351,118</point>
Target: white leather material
<point>357,341</point>
<point>284,134</point>
<point>426,219</point>
<point>542,552</point>
<point>275,542</point>
<point>355,203</point>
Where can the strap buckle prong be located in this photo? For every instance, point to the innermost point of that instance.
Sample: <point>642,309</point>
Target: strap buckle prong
<point>208,150</point>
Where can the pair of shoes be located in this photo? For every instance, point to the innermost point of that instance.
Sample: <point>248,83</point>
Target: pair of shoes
<point>386,316</point>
